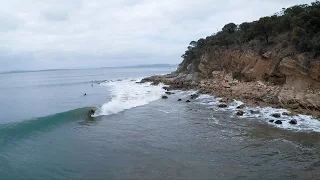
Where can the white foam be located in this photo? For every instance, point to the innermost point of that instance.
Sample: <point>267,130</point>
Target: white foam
<point>127,94</point>
<point>304,122</point>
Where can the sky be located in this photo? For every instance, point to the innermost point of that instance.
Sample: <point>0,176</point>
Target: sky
<point>51,34</point>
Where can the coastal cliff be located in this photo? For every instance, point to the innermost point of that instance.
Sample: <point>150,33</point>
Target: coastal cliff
<point>274,61</point>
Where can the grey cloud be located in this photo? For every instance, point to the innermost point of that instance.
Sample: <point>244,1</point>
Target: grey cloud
<point>79,33</point>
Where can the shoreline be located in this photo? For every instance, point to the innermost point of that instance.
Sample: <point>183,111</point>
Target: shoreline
<point>252,94</point>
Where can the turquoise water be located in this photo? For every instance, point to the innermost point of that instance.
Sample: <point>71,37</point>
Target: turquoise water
<point>46,132</point>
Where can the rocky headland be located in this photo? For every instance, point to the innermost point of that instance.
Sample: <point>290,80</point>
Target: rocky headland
<point>274,61</point>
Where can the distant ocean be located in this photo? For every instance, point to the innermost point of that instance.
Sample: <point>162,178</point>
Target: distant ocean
<point>47,133</point>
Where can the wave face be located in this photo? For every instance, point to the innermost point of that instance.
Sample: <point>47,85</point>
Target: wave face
<point>15,131</point>
<point>127,94</point>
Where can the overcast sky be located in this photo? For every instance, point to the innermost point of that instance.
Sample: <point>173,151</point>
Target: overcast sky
<point>47,34</point>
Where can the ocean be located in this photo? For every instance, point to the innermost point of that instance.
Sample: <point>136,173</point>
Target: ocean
<point>46,131</point>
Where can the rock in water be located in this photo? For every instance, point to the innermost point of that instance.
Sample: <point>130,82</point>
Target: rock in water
<point>285,114</point>
<point>188,101</point>
<point>278,122</point>
<point>166,88</point>
<point>276,115</point>
<point>241,106</point>
<point>169,93</point>
<point>222,106</point>
<point>179,99</point>
<point>164,97</point>
<point>240,113</point>
<point>254,112</point>
<point>293,121</point>
<point>271,121</point>
<point>194,96</point>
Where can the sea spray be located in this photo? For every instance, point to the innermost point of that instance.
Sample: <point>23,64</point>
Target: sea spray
<point>127,94</point>
<point>304,122</point>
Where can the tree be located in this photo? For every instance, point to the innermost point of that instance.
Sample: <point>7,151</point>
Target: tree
<point>230,28</point>
<point>263,27</point>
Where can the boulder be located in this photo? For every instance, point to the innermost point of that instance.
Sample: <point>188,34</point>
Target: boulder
<point>164,97</point>
<point>194,96</point>
<point>278,122</point>
<point>155,83</point>
<point>276,115</point>
<point>166,88</point>
<point>240,113</point>
<point>223,100</point>
<point>293,121</point>
<point>241,106</point>
<point>285,114</point>
<point>222,106</point>
<point>271,121</point>
<point>267,55</point>
<point>179,99</point>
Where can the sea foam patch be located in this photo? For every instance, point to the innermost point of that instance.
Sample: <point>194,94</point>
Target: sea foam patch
<point>264,114</point>
<point>127,94</point>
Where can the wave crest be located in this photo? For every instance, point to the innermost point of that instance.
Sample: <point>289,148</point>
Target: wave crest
<point>127,94</point>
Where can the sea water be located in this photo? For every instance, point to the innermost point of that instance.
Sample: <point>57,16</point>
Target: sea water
<point>46,131</point>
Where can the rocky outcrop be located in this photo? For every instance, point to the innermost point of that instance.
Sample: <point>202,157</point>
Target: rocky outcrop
<point>276,77</point>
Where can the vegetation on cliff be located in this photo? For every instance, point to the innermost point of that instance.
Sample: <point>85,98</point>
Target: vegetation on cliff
<point>297,28</point>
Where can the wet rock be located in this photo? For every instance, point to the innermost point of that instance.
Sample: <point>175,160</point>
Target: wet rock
<point>179,99</point>
<point>285,114</point>
<point>240,113</point>
<point>144,80</point>
<point>166,88</point>
<point>194,96</point>
<point>241,106</point>
<point>276,115</point>
<point>278,122</point>
<point>85,94</point>
<point>169,93</point>
<point>188,101</point>
<point>254,111</point>
<point>222,106</point>
<point>155,83</point>
<point>293,121</point>
<point>271,121</point>
<point>164,97</point>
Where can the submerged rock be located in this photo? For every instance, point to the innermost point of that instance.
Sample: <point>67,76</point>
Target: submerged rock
<point>194,96</point>
<point>222,106</point>
<point>276,115</point>
<point>254,111</point>
<point>169,93</point>
<point>241,106</point>
<point>285,114</point>
<point>164,97</point>
<point>240,113</point>
<point>278,122</point>
<point>293,121</point>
